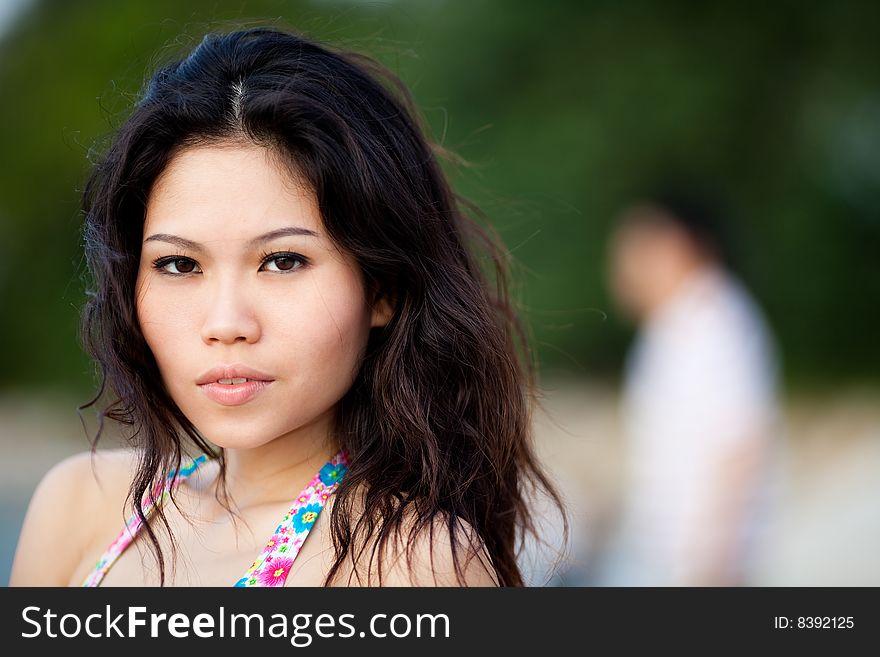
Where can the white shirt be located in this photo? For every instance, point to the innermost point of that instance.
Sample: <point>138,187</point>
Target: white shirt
<point>700,381</point>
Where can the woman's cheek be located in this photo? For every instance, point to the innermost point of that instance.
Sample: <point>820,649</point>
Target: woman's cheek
<point>168,330</point>
<point>336,336</point>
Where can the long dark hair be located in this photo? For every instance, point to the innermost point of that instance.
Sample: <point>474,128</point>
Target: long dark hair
<point>437,424</point>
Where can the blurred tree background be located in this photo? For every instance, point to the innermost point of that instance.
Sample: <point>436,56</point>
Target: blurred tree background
<point>564,110</point>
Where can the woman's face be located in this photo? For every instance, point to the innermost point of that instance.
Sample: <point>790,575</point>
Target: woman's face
<point>237,272</point>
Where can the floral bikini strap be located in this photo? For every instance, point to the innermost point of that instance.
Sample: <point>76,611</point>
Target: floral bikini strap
<point>272,566</point>
<point>160,492</point>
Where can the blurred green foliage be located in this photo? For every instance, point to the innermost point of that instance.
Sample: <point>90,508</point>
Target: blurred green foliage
<point>563,109</point>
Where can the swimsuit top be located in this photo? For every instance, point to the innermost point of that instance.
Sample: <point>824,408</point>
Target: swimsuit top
<point>273,564</point>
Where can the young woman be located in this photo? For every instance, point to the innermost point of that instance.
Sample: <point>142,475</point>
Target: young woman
<point>289,312</point>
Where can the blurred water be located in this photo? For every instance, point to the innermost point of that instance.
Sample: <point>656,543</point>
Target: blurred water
<point>36,432</point>
<point>13,505</point>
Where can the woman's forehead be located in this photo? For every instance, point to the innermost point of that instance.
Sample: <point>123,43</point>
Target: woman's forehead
<point>239,192</point>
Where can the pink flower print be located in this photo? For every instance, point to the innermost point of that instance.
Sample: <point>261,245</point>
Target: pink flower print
<point>271,543</point>
<point>276,573</point>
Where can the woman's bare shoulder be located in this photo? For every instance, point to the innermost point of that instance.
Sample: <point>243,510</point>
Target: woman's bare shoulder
<point>96,478</point>
<point>426,557</point>
<point>70,504</point>
<point>432,556</point>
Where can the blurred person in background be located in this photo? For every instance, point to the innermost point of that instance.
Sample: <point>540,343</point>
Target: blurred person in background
<point>699,402</point>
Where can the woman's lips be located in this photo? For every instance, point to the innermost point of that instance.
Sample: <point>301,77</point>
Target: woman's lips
<point>234,394</point>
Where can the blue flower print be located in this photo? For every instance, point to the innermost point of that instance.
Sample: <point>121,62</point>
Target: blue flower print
<point>305,517</point>
<point>331,473</point>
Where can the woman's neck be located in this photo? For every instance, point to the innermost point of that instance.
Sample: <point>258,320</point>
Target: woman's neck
<point>279,469</point>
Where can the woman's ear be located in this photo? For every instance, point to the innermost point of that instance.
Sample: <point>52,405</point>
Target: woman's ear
<point>383,311</point>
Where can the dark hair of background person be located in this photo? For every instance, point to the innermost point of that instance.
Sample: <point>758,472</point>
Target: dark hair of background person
<point>698,212</point>
<point>437,423</point>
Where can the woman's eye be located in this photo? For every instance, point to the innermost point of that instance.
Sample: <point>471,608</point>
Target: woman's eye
<point>284,262</point>
<point>176,265</point>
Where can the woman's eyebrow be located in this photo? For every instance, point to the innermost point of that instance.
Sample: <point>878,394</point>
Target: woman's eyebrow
<point>261,239</point>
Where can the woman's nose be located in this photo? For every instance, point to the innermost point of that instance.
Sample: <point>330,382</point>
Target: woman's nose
<point>230,316</point>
